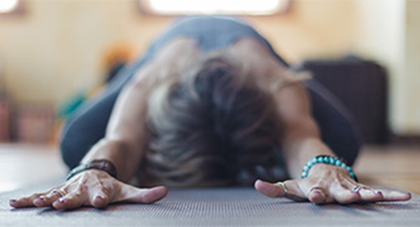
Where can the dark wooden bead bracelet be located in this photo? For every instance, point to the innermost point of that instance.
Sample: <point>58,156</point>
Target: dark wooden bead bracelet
<point>99,164</point>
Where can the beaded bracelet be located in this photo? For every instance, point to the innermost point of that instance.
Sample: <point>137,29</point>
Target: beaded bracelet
<point>327,159</point>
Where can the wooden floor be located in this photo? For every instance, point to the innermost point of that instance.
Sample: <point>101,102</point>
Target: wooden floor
<point>395,166</point>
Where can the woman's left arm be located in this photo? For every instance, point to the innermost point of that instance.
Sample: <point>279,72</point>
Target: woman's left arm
<point>301,141</point>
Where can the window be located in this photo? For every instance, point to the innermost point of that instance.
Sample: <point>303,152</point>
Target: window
<point>242,7</point>
<point>10,6</point>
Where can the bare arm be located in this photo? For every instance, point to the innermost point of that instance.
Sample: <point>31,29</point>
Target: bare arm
<point>301,141</point>
<point>124,145</point>
<point>126,136</point>
<point>301,137</point>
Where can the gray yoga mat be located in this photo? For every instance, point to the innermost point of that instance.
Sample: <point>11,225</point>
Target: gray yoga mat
<point>213,207</point>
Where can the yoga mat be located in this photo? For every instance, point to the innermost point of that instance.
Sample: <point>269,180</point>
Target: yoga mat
<point>213,207</point>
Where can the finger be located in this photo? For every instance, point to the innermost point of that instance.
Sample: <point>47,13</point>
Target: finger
<point>317,195</point>
<point>47,199</point>
<point>368,195</point>
<point>100,200</point>
<point>25,201</point>
<point>70,201</point>
<point>344,196</point>
<point>342,191</point>
<point>292,191</point>
<point>268,189</point>
<point>390,195</point>
<point>132,194</point>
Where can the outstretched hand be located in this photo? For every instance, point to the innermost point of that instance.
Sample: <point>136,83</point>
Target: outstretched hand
<point>328,184</point>
<point>90,188</point>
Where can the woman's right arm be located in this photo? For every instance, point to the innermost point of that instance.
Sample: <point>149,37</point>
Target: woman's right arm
<point>123,146</point>
<point>126,136</point>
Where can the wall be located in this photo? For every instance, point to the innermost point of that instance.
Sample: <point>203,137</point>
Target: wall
<point>412,57</point>
<point>55,49</point>
<point>381,37</point>
<point>390,33</point>
<point>58,44</point>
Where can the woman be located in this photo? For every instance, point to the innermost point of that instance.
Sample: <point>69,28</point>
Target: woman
<point>210,104</point>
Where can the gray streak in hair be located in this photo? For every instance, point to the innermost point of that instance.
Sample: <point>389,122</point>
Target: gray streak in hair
<point>208,124</point>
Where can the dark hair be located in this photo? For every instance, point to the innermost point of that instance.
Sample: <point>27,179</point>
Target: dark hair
<point>216,127</point>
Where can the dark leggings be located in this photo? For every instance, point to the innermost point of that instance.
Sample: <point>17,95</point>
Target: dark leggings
<point>87,125</point>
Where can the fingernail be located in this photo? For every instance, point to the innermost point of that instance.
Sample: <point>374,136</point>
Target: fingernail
<point>378,192</point>
<point>12,200</point>
<point>99,197</point>
<point>61,200</point>
<point>42,198</point>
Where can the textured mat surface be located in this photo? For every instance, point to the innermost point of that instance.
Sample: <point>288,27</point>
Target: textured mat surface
<point>214,207</point>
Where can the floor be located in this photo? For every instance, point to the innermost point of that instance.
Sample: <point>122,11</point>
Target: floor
<point>22,165</point>
<point>395,166</point>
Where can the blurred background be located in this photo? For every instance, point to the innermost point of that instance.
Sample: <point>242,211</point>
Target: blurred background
<point>56,53</point>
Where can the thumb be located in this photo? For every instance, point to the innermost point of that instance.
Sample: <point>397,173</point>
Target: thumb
<point>131,194</point>
<point>270,190</point>
<point>289,189</point>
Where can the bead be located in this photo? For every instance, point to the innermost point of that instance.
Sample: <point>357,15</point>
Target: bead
<point>338,162</point>
<point>331,160</point>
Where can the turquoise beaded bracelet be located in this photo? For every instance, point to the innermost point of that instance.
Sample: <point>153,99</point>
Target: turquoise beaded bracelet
<point>327,159</point>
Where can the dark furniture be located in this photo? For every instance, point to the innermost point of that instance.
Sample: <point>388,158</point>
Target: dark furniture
<point>362,87</point>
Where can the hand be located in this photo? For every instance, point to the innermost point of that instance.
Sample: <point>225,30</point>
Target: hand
<point>328,184</point>
<point>91,188</point>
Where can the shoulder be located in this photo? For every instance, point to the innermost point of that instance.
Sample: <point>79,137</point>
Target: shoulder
<point>260,63</point>
<point>168,61</point>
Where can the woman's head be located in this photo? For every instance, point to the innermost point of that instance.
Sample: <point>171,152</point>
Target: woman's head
<point>209,125</point>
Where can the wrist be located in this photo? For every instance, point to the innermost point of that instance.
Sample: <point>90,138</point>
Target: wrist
<point>321,170</point>
<point>99,164</point>
<point>326,162</point>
